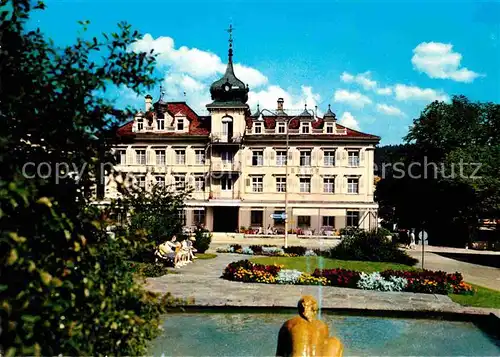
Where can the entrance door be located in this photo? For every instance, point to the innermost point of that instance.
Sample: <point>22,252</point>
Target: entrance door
<point>226,219</point>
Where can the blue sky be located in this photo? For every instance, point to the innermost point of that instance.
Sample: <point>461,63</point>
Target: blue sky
<point>377,63</point>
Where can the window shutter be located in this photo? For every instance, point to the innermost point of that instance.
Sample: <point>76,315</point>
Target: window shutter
<point>249,158</point>
<point>296,158</point>
<point>130,156</point>
<point>344,155</point>
<point>360,183</point>
<point>273,155</point>
<point>248,182</point>
<point>150,157</point>
<point>361,156</point>
<point>320,158</point>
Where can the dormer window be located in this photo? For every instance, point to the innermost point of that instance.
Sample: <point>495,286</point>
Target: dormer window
<point>160,124</point>
<point>305,128</point>
<point>257,128</point>
<point>180,124</point>
<point>329,128</point>
<point>281,128</point>
<point>140,124</point>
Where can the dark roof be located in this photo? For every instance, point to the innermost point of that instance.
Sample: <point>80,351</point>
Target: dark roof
<point>329,114</point>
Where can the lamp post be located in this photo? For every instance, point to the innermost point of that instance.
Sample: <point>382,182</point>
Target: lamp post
<point>287,121</point>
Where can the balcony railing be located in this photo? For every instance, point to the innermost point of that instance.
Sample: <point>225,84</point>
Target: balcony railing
<point>225,138</point>
<point>233,166</point>
<point>224,195</point>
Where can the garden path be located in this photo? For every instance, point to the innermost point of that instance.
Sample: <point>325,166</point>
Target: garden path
<point>201,280</point>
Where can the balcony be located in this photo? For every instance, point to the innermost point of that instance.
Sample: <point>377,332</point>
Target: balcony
<point>224,198</point>
<point>224,138</point>
<point>225,166</point>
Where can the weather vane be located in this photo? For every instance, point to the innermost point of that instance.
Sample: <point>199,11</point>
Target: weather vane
<point>230,30</point>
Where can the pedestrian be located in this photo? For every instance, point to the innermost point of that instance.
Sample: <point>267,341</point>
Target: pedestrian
<point>412,239</point>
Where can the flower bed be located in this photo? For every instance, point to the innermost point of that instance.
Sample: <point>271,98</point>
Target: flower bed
<point>426,281</point>
<point>269,250</point>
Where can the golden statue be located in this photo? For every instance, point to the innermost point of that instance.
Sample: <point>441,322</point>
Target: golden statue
<point>305,335</point>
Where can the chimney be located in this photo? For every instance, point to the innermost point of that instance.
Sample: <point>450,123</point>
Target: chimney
<point>280,104</point>
<point>148,100</point>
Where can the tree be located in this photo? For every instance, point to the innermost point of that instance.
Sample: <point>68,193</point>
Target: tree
<point>439,188</point>
<point>64,287</point>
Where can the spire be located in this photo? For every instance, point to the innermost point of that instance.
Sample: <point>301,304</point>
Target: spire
<point>305,113</point>
<point>230,52</point>
<point>257,113</point>
<point>329,114</point>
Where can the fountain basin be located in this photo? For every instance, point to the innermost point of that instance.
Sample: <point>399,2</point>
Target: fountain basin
<point>254,333</point>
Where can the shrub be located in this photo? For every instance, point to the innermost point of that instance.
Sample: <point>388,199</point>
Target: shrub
<point>370,246</point>
<point>339,277</point>
<point>247,271</point>
<point>203,238</point>
<point>272,251</point>
<point>384,231</point>
<point>236,248</point>
<point>428,281</point>
<point>298,250</point>
<point>375,281</point>
<point>256,249</point>
<point>288,276</point>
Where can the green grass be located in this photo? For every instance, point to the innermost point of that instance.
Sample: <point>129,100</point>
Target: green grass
<point>484,297</point>
<point>206,256</point>
<point>308,264</point>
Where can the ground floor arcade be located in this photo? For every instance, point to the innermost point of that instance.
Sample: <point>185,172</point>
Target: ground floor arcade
<point>260,218</point>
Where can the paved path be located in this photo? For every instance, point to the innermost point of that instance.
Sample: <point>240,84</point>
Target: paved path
<point>477,274</point>
<point>201,280</point>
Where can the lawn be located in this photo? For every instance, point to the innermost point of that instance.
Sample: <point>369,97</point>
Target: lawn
<point>206,256</point>
<point>483,298</point>
<point>308,264</point>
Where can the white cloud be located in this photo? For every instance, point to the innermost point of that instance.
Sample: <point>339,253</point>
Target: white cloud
<point>438,60</point>
<point>384,91</point>
<point>405,93</point>
<point>267,98</point>
<point>348,120</point>
<point>362,79</point>
<point>355,99</point>
<point>389,110</point>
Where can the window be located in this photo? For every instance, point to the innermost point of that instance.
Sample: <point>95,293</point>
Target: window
<point>352,185</point>
<point>304,221</point>
<point>353,158</point>
<point>352,219</point>
<point>305,158</point>
<point>280,184</point>
<point>180,124</point>
<point>199,156</point>
<point>329,185</point>
<point>160,157</point>
<point>226,157</point>
<point>226,184</point>
<point>305,129</point>
<point>141,181</point>
<point>180,157</point>
<point>121,157</point>
<point>329,221</point>
<point>329,158</point>
<point>281,158</point>
<point>305,184</point>
<point>199,216</point>
<point>257,218</point>
<point>257,184</point>
<point>182,216</point>
<point>140,124</point>
<point>140,156</point>
<point>329,128</point>
<point>257,128</point>
<point>281,128</point>
<point>257,158</point>
<point>160,124</point>
<point>160,181</point>
<point>199,183</point>
<point>180,182</point>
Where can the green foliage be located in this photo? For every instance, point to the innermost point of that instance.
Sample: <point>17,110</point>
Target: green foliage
<point>64,286</point>
<point>148,270</point>
<point>153,217</point>
<point>203,238</point>
<point>370,246</point>
<point>445,195</point>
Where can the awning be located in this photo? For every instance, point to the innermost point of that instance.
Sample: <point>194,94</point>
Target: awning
<point>332,212</point>
<point>305,211</point>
